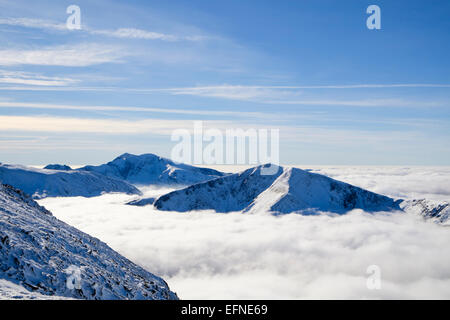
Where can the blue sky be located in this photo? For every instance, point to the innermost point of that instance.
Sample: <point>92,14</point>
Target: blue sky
<point>137,70</point>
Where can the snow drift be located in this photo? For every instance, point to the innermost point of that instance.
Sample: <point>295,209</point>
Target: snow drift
<point>41,183</point>
<point>38,252</point>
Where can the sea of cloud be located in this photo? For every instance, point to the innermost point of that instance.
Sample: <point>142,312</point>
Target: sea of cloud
<point>206,255</point>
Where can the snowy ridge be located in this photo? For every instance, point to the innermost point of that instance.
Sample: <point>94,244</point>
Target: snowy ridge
<point>151,169</point>
<point>141,202</point>
<point>12,291</point>
<point>230,193</point>
<point>62,167</point>
<point>435,211</point>
<point>302,191</point>
<point>267,199</point>
<point>41,183</point>
<point>289,190</point>
<point>39,252</point>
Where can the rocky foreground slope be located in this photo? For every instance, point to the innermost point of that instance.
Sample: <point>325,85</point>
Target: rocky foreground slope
<point>48,257</point>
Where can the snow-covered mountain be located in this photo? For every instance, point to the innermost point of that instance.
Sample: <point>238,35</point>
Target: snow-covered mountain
<point>289,190</point>
<point>58,167</point>
<point>151,169</point>
<point>41,183</point>
<point>48,257</point>
<point>435,211</point>
<point>141,202</point>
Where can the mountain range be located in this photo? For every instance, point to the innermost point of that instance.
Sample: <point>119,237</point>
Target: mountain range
<point>122,175</point>
<point>149,169</point>
<point>41,183</point>
<point>39,253</point>
<point>290,190</point>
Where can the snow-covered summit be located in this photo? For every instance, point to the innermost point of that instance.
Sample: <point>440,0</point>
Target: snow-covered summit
<point>62,167</point>
<point>289,190</point>
<point>153,169</point>
<point>48,257</point>
<point>41,183</point>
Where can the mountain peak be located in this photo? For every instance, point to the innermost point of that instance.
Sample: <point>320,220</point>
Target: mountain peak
<point>62,167</point>
<point>152,169</point>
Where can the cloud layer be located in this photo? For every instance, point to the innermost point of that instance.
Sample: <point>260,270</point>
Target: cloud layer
<point>208,255</point>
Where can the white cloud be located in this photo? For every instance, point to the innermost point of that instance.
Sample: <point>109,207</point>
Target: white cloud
<point>81,55</point>
<point>276,95</point>
<point>399,182</point>
<point>33,23</point>
<point>82,125</point>
<point>31,105</point>
<point>362,103</point>
<point>235,92</point>
<point>28,78</point>
<point>128,33</point>
<point>289,95</point>
<point>204,255</point>
<point>132,33</point>
<point>294,138</point>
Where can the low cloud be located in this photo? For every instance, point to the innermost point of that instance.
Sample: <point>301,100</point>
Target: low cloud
<point>407,182</point>
<point>237,256</point>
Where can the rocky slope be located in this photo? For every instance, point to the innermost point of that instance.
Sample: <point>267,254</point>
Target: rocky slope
<point>48,257</point>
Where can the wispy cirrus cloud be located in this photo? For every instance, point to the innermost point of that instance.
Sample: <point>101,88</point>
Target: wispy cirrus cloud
<point>194,112</point>
<point>276,95</point>
<point>85,125</point>
<point>124,33</point>
<point>80,55</point>
<point>289,95</point>
<point>28,78</point>
<point>133,33</point>
<point>164,126</point>
<point>33,23</point>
